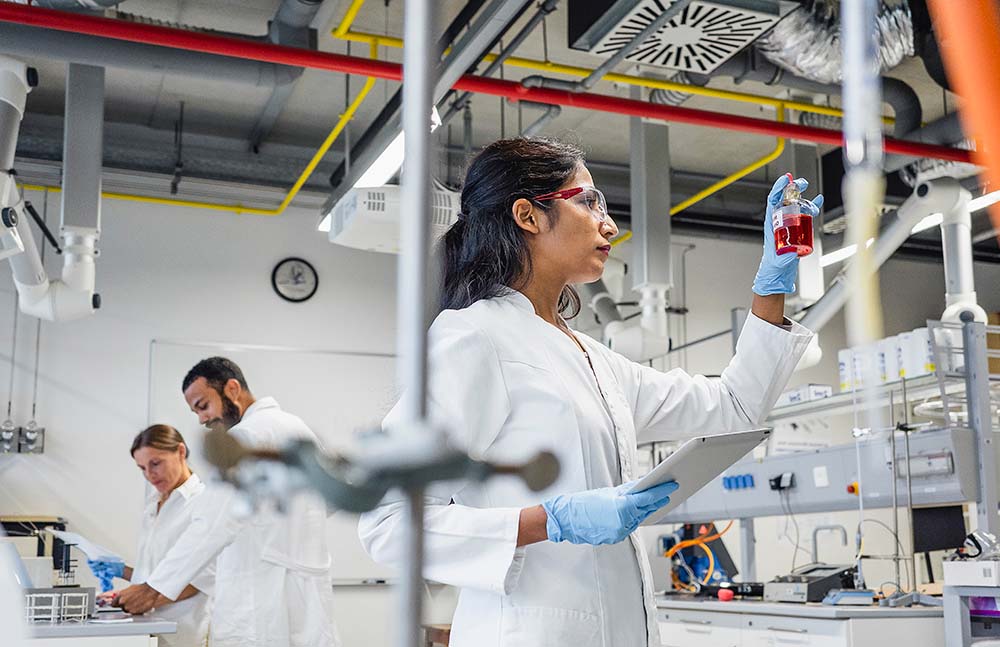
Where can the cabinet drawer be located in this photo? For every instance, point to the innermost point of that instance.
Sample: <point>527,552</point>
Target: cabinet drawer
<point>696,629</point>
<point>784,631</point>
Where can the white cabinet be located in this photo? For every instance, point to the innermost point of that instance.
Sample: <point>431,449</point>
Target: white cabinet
<point>680,628</point>
<point>683,627</point>
<point>784,631</point>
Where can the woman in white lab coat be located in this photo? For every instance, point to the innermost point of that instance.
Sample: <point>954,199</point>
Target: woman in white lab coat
<point>508,378</point>
<point>161,455</point>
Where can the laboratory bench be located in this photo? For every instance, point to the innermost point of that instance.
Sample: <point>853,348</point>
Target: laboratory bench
<point>140,632</point>
<point>687,621</point>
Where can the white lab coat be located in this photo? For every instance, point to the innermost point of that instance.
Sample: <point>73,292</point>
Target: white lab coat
<point>508,385</point>
<point>273,586</point>
<point>14,628</point>
<point>158,533</point>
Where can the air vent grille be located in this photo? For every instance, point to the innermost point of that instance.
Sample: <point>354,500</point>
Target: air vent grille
<point>702,37</point>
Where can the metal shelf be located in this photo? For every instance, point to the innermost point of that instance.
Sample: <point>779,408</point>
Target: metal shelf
<point>916,388</point>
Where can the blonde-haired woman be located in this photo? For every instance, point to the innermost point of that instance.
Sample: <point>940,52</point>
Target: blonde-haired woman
<point>161,455</point>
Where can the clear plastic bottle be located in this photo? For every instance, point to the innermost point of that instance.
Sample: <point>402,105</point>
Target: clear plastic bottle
<point>793,229</point>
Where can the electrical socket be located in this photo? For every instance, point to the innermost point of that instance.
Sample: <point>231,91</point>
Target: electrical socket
<point>783,481</point>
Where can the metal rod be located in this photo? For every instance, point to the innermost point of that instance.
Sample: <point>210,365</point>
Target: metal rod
<point>241,48</point>
<point>700,340</point>
<point>977,391</point>
<point>411,586</point>
<point>544,9</point>
<point>748,550</point>
<point>895,493</point>
<point>418,89</point>
<point>412,274</point>
<point>909,484</point>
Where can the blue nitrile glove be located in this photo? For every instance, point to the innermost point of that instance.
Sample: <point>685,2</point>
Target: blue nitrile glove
<point>776,274</point>
<point>603,516</point>
<point>106,571</point>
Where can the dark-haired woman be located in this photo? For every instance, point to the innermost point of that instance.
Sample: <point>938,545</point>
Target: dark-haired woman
<point>560,568</point>
<point>161,455</point>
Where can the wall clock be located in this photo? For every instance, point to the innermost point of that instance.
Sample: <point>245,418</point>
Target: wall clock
<point>294,279</point>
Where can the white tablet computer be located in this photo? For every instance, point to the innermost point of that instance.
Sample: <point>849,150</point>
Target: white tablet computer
<point>697,462</point>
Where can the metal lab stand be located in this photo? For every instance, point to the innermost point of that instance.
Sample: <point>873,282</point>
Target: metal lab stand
<point>980,411</point>
<point>961,353</point>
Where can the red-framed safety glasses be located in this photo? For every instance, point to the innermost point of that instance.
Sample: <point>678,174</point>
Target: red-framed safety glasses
<point>590,197</point>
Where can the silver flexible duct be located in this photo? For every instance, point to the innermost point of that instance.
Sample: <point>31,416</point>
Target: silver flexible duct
<point>807,41</point>
<point>77,5</point>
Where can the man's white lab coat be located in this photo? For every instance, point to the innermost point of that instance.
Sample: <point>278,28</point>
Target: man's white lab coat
<point>508,384</point>
<point>272,571</point>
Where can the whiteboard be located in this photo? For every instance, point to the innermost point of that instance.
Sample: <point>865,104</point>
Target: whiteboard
<point>337,393</point>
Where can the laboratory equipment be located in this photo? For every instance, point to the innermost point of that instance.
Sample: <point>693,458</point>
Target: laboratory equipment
<point>849,597</point>
<point>793,226</point>
<point>59,604</point>
<point>72,295</point>
<point>825,480</point>
<point>707,562</point>
<point>809,583</point>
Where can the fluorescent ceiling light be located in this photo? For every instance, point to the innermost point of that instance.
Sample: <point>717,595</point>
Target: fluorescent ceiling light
<point>391,160</point>
<point>384,167</point>
<point>842,254</point>
<point>984,201</point>
<point>927,222</point>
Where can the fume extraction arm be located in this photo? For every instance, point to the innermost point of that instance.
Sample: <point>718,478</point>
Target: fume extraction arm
<point>71,296</point>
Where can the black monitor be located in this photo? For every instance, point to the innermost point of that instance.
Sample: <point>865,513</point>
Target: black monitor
<point>940,528</point>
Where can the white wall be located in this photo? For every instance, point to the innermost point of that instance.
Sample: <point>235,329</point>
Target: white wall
<point>178,273</point>
<point>175,273</point>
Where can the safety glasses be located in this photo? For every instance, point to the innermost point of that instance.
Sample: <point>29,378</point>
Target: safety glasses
<point>589,197</point>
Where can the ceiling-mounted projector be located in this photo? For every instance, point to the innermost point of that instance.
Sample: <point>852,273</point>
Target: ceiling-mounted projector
<point>368,218</point>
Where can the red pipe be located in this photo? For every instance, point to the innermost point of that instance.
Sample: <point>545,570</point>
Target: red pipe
<point>283,55</point>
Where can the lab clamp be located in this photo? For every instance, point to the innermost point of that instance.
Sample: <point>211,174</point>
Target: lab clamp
<point>358,483</point>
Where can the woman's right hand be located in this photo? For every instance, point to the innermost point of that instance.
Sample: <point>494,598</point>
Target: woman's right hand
<point>605,515</point>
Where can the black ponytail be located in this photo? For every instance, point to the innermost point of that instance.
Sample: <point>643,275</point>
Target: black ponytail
<point>485,252</point>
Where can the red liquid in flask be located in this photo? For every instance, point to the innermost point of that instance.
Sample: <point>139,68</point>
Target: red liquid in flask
<point>795,231</point>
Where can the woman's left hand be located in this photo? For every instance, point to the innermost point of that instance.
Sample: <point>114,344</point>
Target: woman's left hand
<point>776,274</point>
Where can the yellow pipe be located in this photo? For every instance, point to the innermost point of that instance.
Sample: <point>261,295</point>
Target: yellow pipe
<point>628,79</point>
<point>345,24</point>
<point>621,239</point>
<point>779,148</point>
<point>342,122</point>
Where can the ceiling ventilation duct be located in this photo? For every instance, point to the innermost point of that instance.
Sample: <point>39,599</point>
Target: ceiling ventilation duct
<point>702,37</point>
<point>807,42</point>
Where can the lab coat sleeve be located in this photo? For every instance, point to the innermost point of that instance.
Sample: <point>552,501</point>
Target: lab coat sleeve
<point>675,404</point>
<point>214,525</point>
<point>464,546</point>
